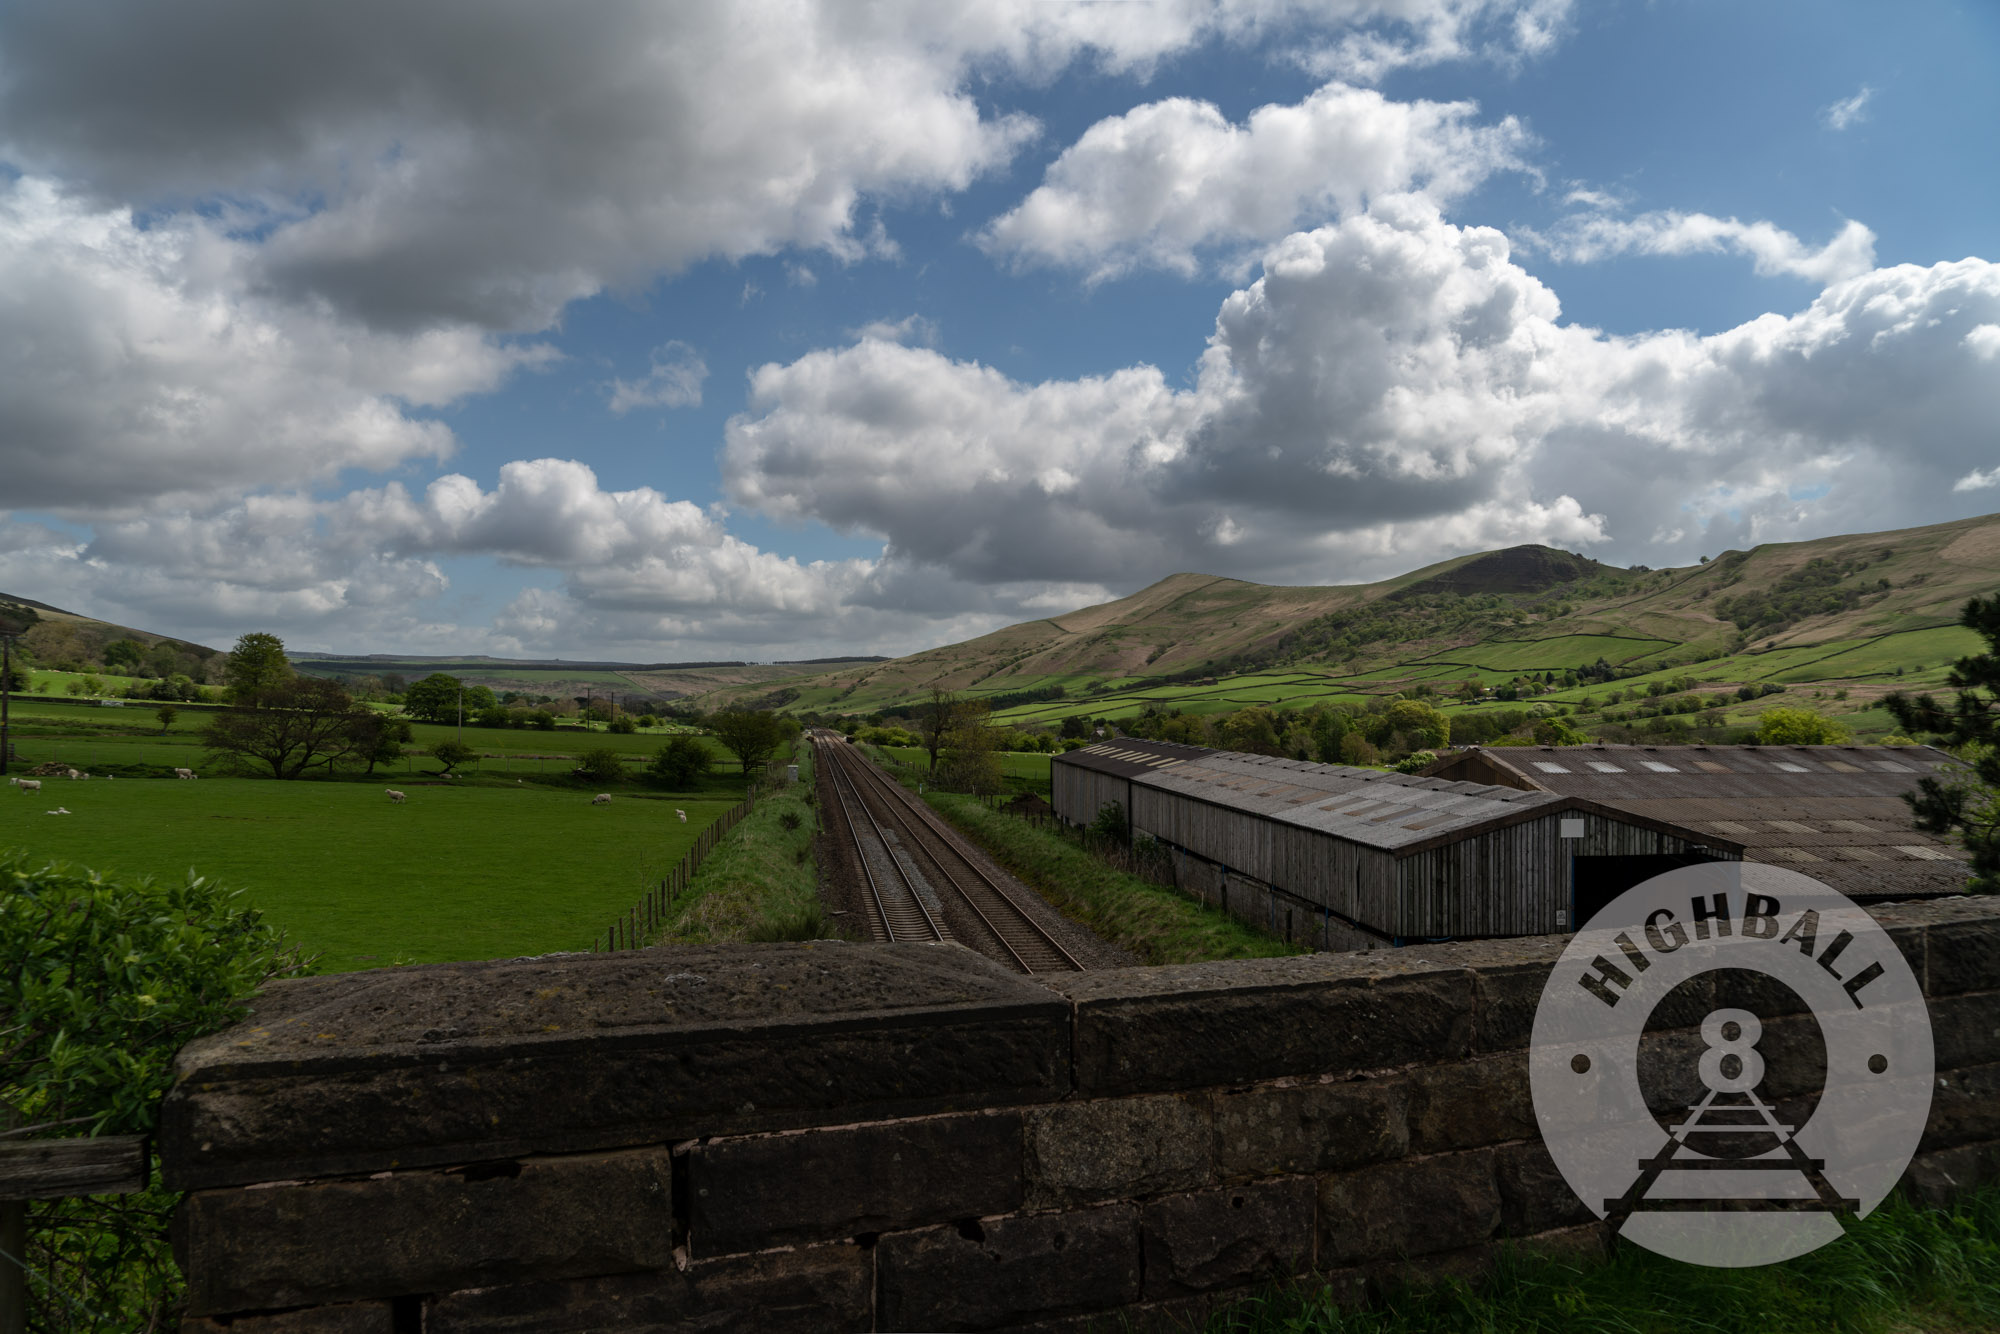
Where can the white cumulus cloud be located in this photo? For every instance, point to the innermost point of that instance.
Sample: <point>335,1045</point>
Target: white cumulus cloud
<point>1166,181</point>
<point>1771,249</point>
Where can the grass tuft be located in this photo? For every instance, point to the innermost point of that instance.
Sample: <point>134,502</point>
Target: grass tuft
<point>1157,924</point>
<point>1902,1269</point>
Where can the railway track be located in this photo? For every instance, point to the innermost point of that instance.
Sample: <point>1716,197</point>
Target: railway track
<point>899,913</point>
<point>1003,928</point>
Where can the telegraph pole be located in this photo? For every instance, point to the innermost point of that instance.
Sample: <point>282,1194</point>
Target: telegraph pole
<point>6,696</point>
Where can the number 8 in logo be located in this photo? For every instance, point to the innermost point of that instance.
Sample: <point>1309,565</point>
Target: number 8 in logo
<point>1732,1063</point>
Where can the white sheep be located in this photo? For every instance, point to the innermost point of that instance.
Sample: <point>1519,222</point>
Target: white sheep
<point>184,773</point>
<point>394,795</point>
<point>59,811</point>
<point>683,814</point>
<point>601,799</point>
<point>74,775</point>
<point>28,784</point>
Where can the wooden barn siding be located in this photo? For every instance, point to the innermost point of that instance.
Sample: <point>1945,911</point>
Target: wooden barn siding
<point>1317,868</point>
<point>1461,888</point>
<point>1078,794</point>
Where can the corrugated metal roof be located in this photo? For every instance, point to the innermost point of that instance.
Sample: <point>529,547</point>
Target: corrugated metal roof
<point>1615,773</point>
<point>1383,810</point>
<point>1834,812</point>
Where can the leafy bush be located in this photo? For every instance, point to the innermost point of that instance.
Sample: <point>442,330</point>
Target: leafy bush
<point>1798,727</point>
<point>101,982</point>
<point>600,765</point>
<point>1110,822</point>
<point>680,762</point>
<point>622,725</point>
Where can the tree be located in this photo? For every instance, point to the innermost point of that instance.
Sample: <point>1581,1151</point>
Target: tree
<point>289,727</point>
<point>1407,725</point>
<point>680,762</point>
<point>166,713</point>
<point>1558,732</point>
<point>750,735</point>
<point>379,739</point>
<point>971,759</point>
<point>1798,727</point>
<point>1965,802</point>
<point>434,699</point>
<point>121,654</point>
<point>935,716</point>
<point>255,665</point>
<point>451,754</point>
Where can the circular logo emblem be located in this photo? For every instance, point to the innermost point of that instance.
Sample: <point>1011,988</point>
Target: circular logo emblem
<point>1728,1057</point>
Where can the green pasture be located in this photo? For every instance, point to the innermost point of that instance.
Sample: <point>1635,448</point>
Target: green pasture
<point>1031,766</point>
<point>1934,649</point>
<point>1556,651</point>
<point>455,872</point>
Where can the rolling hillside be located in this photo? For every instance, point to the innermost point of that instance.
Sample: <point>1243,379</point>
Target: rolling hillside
<point>1863,612</point>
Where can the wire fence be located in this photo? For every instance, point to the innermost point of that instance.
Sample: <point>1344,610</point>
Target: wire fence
<point>647,915</point>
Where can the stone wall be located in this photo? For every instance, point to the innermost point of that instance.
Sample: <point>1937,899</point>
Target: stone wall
<point>832,1136</point>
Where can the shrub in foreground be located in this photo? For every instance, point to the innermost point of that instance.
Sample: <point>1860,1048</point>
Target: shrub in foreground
<point>101,982</point>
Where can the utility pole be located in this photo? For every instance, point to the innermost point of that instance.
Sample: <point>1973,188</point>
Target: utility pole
<point>461,715</point>
<point>6,697</point>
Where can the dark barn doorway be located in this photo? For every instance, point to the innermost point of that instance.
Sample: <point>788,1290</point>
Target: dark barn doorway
<point>1596,881</point>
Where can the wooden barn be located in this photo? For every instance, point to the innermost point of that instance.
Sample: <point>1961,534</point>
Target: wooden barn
<point>1345,858</point>
<point>1835,813</point>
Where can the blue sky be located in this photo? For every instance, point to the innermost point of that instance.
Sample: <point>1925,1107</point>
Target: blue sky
<point>786,329</point>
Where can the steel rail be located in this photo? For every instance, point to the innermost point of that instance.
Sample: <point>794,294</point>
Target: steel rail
<point>835,773</point>
<point>903,807</point>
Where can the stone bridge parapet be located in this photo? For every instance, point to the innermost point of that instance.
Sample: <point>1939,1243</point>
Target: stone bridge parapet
<point>828,1135</point>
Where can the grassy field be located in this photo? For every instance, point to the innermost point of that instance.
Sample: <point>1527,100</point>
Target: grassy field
<point>1029,767</point>
<point>464,872</point>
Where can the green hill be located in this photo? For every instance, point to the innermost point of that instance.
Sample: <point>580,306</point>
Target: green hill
<point>1861,613</point>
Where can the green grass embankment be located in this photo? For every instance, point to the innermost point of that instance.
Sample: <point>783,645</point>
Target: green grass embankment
<point>1900,1270</point>
<point>1157,924</point>
<point>761,882</point>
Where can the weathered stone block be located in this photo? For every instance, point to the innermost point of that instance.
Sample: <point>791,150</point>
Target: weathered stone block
<point>1008,1271</point>
<point>1222,1238</point>
<point>1471,1103</point>
<point>344,1318</point>
<point>1963,956</point>
<point>1965,1029</point>
<point>1935,1179</point>
<point>1416,1206</point>
<point>819,1185</point>
<point>1965,1107</point>
<point>461,1062</point>
<point>422,1231</point>
<point>808,1290</point>
<point>1117,1148</point>
<point>1533,1195</point>
<point>1245,1020</point>
<point>1279,1130</point>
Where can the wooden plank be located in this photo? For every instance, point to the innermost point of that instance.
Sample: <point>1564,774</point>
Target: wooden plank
<point>52,1169</point>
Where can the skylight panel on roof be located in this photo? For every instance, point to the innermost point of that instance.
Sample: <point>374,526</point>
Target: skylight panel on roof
<point>1659,768</point>
<point>1890,766</point>
<point>1791,768</point>
<point>1551,767</point>
<point>1924,854</point>
<point>1604,768</point>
